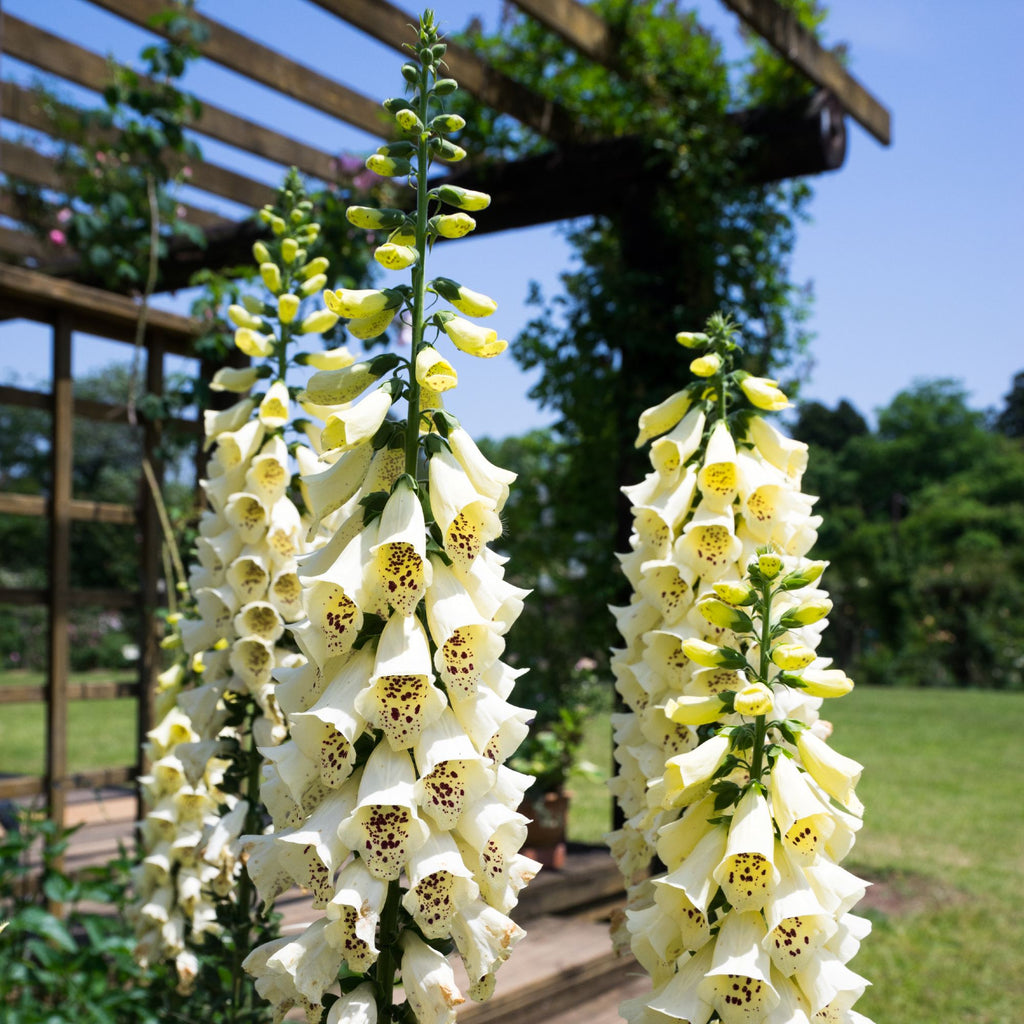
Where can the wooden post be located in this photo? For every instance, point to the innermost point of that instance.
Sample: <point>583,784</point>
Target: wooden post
<point>58,666</point>
<point>150,560</point>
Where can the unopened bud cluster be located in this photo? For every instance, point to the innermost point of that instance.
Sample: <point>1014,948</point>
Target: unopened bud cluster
<point>724,772</point>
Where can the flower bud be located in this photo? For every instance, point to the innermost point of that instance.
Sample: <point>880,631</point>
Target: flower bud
<point>471,338</point>
<point>692,339</point>
<point>387,166</point>
<point>278,225</point>
<point>753,700</point>
<point>315,267</point>
<point>253,304</point>
<point>711,656</point>
<point>792,656</point>
<point>395,257</point>
<point>445,86</point>
<point>253,344</point>
<point>289,249</point>
<point>260,252</point>
<point>447,150</point>
<point>825,682</point>
<point>463,198</point>
<point>241,317</point>
<point>357,302</point>
<point>764,393</point>
<point>330,359</point>
<point>237,380</point>
<point>273,410</point>
<point>318,322</point>
<point>809,612</point>
<point>447,123</point>
<point>373,219</point>
<point>408,121</point>
<point>769,565</point>
<point>804,576</point>
<point>287,307</point>
<point>694,710</point>
<point>735,593</point>
<point>312,285</point>
<point>453,225</point>
<point>271,274</point>
<point>465,300</point>
<point>718,613</point>
<point>706,365</point>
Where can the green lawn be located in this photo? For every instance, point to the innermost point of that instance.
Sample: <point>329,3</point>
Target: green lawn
<point>101,733</point>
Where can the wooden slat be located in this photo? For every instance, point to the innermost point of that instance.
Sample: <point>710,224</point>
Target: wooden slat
<point>19,786</point>
<point>80,597</point>
<point>390,25</point>
<point>79,510</point>
<point>780,28</point>
<point>59,660</point>
<point>579,25</point>
<point>85,408</point>
<point>32,295</point>
<point>24,162</point>
<point>34,694</point>
<point>239,53</point>
<point>51,53</point>
<point>21,106</point>
<point>21,243</point>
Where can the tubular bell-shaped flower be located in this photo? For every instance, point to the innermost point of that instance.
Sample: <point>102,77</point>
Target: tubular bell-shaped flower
<point>390,799</point>
<point>720,641</point>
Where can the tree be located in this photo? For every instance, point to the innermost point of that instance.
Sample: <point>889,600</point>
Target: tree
<point>1010,420</point>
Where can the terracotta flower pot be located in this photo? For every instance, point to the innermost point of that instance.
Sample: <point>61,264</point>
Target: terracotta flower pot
<point>545,834</point>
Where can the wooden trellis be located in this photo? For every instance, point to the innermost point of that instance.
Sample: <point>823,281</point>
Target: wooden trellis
<point>582,172</point>
<point>70,309</point>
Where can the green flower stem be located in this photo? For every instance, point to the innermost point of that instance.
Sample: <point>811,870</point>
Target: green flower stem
<point>282,352</point>
<point>419,275</point>
<point>387,961</point>
<point>761,722</point>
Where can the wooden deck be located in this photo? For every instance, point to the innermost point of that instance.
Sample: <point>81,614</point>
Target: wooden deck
<point>563,971</point>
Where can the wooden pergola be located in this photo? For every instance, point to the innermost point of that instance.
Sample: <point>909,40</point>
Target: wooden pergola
<point>580,171</point>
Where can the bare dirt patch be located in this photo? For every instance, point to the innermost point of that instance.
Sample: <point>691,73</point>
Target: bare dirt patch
<point>895,893</point>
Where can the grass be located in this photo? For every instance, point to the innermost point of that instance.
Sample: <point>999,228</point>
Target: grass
<point>943,840</point>
<point>101,733</point>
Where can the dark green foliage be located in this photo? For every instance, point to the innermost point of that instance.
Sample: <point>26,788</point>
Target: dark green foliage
<point>924,527</point>
<point>74,967</point>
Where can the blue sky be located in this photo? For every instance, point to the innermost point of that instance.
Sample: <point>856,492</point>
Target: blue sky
<point>913,250</point>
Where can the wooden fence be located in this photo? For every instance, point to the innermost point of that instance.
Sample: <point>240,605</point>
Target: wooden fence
<point>70,309</point>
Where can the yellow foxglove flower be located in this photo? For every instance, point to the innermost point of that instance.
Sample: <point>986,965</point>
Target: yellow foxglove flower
<point>273,410</point>
<point>826,682</point>
<point>691,339</point>
<point>753,699</point>
<point>473,339</point>
<point>271,274</point>
<point>454,225</point>
<point>254,344</point>
<point>241,317</point>
<point>434,371</point>
<point>739,594</point>
<point>229,378</point>
<point>339,386</point>
<point>738,983</point>
<point>357,303</point>
<point>662,417</point>
<point>463,198</point>
<point>357,1007</point>
<point>706,365</point>
<point>804,822</point>
<point>395,257</point>
<point>317,322</point>
<point>373,326</point>
<point>718,478</point>
<point>688,776</point>
<point>694,710</point>
<point>782,452</point>
<point>358,423</point>
<point>331,359</point>
<point>837,774</point>
<point>792,657</point>
<point>399,556</point>
<point>429,982</point>
<point>764,393</point>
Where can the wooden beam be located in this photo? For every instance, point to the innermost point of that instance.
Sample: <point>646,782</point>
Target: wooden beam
<point>22,106</point>
<point>58,665</point>
<point>78,509</point>
<point>57,56</point>
<point>22,161</point>
<point>35,296</point>
<point>79,597</point>
<point>21,243</point>
<point>239,53</point>
<point>85,408</point>
<point>391,25</point>
<point>579,25</point>
<point>36,693</point>
<point>780,28</point>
